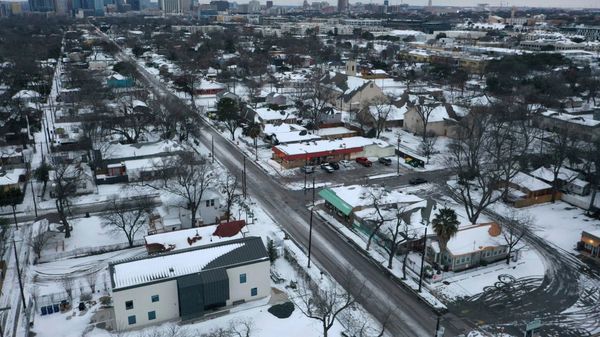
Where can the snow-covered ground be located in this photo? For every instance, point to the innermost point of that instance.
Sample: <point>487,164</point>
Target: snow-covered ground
<point>473,281</point>
<point>560,223</point>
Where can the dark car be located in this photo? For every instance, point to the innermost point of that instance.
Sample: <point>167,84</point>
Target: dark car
<point>335,165</point>
<point>364,161</point>
<point>385,161</point>
<point>417,181</point>
<point>327,168</point>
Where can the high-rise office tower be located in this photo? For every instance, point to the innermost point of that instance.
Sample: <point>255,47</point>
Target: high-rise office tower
<point>342,5</point>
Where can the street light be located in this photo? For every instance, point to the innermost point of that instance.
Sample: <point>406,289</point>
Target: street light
<point>310,235</point>
<point>398,157</point>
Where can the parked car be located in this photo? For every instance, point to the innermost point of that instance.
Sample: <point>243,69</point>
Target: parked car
<point>417,181</point>
<point>345,163</point>
<point>364,161</point>
<point>307,169</point>
<point>327,168</point>
<point>385,161</point>
<point>335,165</point>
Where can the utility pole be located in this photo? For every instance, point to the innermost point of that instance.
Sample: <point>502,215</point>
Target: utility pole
<point>256,148</point>
<point>33,197</point>
<point>313,191</point>
<point>423,259</point>
<point>212,148</point>
<point>398,157</point>
<point>244,179</point>
<point>19,275</point>
<point>310,235</point>
<point>14,208</point>
<point>2,310</point>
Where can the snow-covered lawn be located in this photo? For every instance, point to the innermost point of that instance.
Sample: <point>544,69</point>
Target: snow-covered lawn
<point>560,223</point>
<point>87,233</point>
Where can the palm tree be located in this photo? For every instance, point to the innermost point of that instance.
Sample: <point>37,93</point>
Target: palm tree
<point>445,225</point>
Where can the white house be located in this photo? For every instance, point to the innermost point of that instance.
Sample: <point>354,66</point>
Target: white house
<point>184,284</point>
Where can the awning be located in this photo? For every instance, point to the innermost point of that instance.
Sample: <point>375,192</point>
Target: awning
<point>333,199</point>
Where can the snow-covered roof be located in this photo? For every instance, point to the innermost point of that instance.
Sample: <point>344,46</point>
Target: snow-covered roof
<point>295,136</point>
<point>438,114</point>
<point>547,174</point>
<point>473,239</point>
<point>184,262</point>
<point>11,177</point>
<point>283,127</point>
<point>393,112</point>
<point>137,103</point>
<point>207,85</point>
<point>587,120</point>
<point>117,77</point>
<point>267,114</point>
<point>357,196</point>
<point>26,94</point>
<point>329,145</point>
<point>530,183</point>
<point>179,239</point>
<point>116,151</point>
<point>338,130</point>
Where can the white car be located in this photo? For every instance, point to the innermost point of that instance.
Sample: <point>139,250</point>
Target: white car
<point>344,163</point>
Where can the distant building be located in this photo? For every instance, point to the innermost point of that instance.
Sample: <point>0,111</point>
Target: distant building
<point>342,5</point>
<point>220,5</point>
<point>41,5</point>
<point>253,6</point>
<point>269,4</point>
<point>175,6</point>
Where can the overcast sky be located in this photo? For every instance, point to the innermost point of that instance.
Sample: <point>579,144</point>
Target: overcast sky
<point>530,3</point>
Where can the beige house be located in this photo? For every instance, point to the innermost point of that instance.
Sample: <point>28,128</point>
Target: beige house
<point>348,92</point>
<point>441,121</point>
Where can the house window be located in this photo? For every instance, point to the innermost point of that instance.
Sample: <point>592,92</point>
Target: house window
<point>155,298</point>
<point>131,319</point>
<point>128,305</point>
<point>243,278</point>
<point>151,315</point>
<point>210,203</point>
<point>253,291</point>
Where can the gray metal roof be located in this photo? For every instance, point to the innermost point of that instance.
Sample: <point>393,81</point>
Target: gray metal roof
<point>253,249</point>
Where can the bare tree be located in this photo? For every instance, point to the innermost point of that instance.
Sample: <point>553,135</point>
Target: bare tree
<point>92,278</point>
<point>241,327</point>
<point>428,145</point>
<point>562,147</point>
<point>65,179</point>
<point>187,177</point>
<point>39,241</point>
<point>514,228</point>
<point>424,108</point>
<point>67,284</point>
<point>325,304</point>
<point>399,234</point>
<point>314,99</point>
<point>229,188</point>
<point>378,217</point>
<point>379,109</point>
<point>129,123</point>
<point>125,218</point>
<point>476,182</point>
<point>359,323</point>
